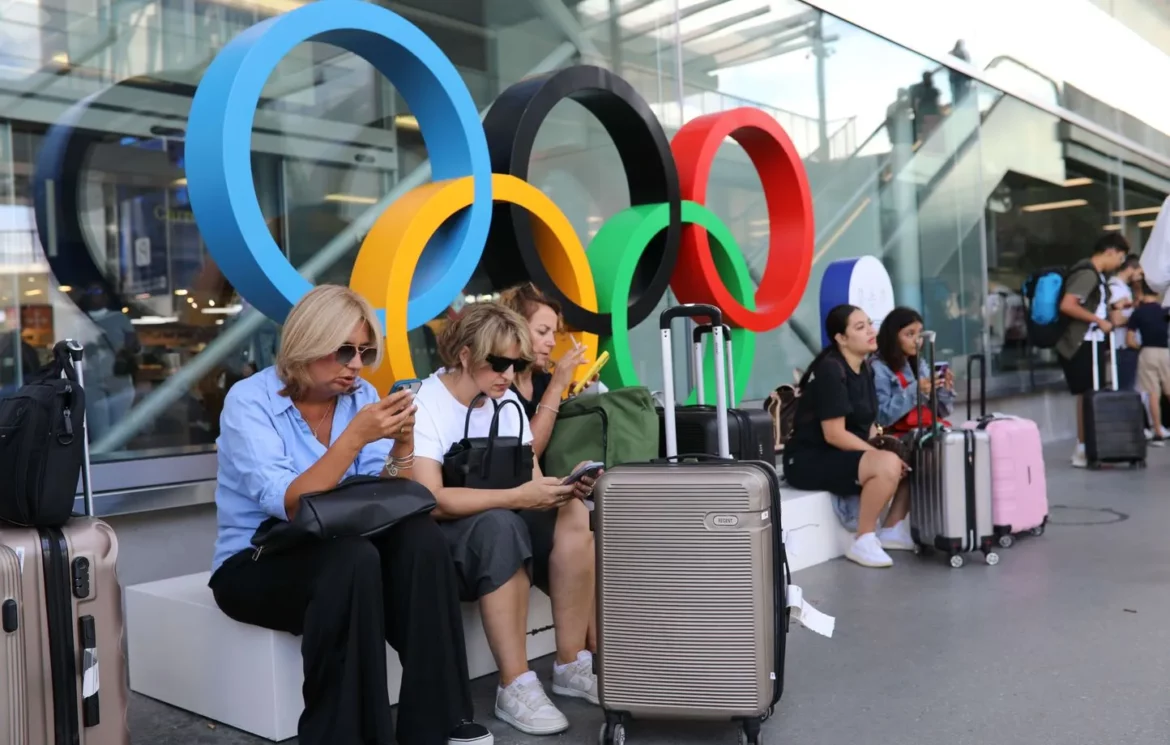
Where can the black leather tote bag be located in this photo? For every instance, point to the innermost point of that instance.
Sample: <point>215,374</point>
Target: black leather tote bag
<point>491,462</point>
<point>360,506</point>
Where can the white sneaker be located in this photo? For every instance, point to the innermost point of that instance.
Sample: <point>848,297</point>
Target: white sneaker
<point>1079,460</point>
<point>897,538</point>
<point>524,705</point>
<point>867,551</point>
<point>576,679</point>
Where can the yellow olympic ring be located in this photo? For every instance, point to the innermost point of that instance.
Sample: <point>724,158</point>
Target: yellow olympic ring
<point>388,256</point>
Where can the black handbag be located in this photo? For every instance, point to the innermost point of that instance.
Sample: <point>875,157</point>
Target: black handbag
<point>491,462</point>
<point>360,506</point>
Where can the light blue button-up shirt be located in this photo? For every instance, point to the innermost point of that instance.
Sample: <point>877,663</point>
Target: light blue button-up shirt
<point>264,445</point>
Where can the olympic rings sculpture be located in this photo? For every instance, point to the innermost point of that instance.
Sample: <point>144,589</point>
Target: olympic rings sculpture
<point>423,249</point>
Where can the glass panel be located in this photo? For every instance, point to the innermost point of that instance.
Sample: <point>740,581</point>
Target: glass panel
<point>121,264</point>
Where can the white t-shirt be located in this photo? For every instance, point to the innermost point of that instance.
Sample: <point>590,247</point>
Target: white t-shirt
<point>439,420</point>
<point>1119,291</point>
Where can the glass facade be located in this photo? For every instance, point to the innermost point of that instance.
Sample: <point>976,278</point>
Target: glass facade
<point>957,187</point>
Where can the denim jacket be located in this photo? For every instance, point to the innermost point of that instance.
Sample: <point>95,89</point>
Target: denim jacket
<point>894,401</point>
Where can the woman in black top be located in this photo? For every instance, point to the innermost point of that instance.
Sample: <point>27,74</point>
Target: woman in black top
<point>830,448</point>
<point>540,390</point>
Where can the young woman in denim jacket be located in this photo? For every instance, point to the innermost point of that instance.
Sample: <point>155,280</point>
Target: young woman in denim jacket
<point>897,350</point>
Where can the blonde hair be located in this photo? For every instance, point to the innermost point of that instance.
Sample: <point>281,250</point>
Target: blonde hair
<point>316,326</point>
<point>484,328</point>
<point>526,299</point>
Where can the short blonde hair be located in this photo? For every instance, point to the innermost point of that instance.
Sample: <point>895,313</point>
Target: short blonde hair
<point>316,326</point>
<point>484,328</point>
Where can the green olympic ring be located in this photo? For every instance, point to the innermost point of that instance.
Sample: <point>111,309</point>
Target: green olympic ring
<point>613,256</point>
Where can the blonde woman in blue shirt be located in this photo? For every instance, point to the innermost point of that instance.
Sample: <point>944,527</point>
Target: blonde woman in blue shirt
<point>302,426</point>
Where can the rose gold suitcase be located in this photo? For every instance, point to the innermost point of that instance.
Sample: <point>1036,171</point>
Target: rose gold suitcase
<point>691,578</point>
<point>70,619</point>
<point>13,718</point>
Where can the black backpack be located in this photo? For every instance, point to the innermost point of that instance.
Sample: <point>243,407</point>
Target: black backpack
<point>42,444</point>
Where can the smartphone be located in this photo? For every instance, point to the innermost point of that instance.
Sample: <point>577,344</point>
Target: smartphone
<point>591,469</point>
<point>411,384</point>
<point>941,368</point>
<point>581,384</point>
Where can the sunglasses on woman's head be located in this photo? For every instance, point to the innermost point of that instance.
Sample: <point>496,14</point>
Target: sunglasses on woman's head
<point>501,364</point>
<point>346,352</point>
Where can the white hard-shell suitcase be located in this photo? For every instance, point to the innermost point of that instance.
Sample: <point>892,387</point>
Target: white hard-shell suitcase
<point>950,491</point>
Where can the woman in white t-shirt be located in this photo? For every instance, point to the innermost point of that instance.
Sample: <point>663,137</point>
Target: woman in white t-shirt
<point>505,540</point>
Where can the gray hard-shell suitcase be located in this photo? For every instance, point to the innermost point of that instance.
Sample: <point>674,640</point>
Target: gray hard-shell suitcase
<point>950,490</point>
<point>1114,420</point>
<point>70,620</point>
<point>692,578</point>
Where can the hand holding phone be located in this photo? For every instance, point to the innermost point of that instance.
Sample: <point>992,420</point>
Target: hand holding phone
<point>589,468</point>
<point>593,371</point>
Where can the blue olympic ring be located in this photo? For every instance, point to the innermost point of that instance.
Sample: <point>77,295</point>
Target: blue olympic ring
<point>219,149</point>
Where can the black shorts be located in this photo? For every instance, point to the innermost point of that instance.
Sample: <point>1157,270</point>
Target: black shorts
<point>823,469</point>
<point>1078,370</point>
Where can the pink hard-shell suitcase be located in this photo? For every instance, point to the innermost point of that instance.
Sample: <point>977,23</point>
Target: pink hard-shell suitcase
<point>1019,490</point>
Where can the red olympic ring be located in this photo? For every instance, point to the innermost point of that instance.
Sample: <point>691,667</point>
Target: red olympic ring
<point>790,217</point>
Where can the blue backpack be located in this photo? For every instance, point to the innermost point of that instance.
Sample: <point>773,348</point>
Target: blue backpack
<point>1042,292</point>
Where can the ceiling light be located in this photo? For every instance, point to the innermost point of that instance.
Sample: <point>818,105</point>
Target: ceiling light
<point>180,293</point>
<point>65,288</point>
<point>350,199</point>
<point>1147,223</point>
<point>1114,226</point>
<point>1083,181</point>
<point>1055,205</point>
<point>406,121</point>
<point>1138,211</point>
<point>32,293</point>
<point>179,182</point>
<point>153,320</point>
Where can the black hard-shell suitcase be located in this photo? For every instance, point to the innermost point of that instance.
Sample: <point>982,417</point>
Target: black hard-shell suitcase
<point>1114,421</point>
<point>751,431</point>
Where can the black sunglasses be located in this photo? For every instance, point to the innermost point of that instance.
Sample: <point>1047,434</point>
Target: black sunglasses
<point>501,364</point>
<point>346,352</point>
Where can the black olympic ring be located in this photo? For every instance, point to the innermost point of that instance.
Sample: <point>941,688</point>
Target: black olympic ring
<point>511,126</point>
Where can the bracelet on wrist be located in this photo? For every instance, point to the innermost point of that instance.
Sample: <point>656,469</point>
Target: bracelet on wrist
<point>394,464</point>
<point>554,410</point>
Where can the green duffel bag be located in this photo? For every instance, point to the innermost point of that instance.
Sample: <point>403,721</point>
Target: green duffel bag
<point>619,426</point>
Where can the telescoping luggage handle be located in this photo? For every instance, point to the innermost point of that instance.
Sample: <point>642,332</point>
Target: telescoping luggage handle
<point>74,349</point>
<point>1093,342</point>
<point>715,316</point>
<point>697,351</point>
<point>926,339</point>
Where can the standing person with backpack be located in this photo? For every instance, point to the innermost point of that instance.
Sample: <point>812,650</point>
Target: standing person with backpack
<point>1084,315</point>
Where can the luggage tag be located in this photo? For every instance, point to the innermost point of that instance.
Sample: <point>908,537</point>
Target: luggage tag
<point>808,616</point>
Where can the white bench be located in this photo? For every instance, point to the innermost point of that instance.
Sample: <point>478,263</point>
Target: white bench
<point>813,534</point>
<point>185,652</point>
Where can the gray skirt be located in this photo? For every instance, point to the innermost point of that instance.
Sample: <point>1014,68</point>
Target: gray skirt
<point>490,547</point>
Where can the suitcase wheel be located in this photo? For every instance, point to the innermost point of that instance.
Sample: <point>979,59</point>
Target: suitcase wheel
<point>750,734</point>
<point>1006,540</point>
<point>1037,531</point>
<point>991,558</point>
<point>613,732</point>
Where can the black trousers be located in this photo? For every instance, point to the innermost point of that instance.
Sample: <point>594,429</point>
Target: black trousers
<point>346,598</point>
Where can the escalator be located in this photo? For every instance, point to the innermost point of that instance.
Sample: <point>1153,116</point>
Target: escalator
<point>917,205</point>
